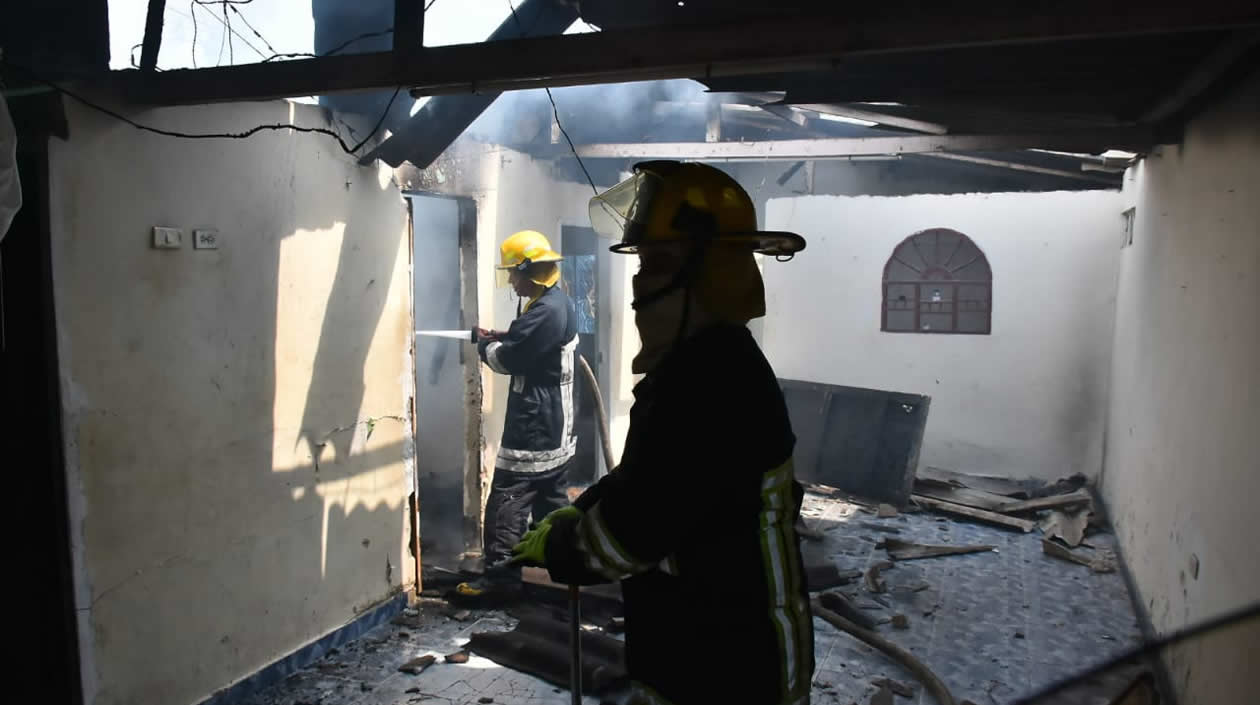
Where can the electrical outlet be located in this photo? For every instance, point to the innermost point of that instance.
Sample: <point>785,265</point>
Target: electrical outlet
<point>167,238</point>
<point>206,239</point>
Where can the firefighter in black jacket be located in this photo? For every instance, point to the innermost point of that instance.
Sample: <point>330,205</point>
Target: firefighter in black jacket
<point>698,520</point>
<point>538,442</point>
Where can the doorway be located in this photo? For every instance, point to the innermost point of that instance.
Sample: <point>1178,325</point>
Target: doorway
<point>438,225</point>
<point>579,277</point>
<point>30,410</point>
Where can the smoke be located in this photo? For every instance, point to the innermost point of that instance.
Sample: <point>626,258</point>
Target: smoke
<point>620,112</point>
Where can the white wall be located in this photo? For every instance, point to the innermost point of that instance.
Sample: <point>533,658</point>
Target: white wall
<point>1182,471</point>
<point>1026,401</point>
<point>236,421</point>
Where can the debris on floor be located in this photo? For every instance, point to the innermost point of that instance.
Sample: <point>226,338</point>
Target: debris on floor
<point>1072,499</point>
<point>539,646</point>
<point>417,665</point>
<point>1068,502</point>
<point>409,618</point>
<point>900,550</point>
<point>962,616</point>
<point>900,621</point>
<point>807,532</point>
<point>874,581</point>
<point>883,696</point>
<point>825,576</point>
<point>1070,527</point>
<point>986,483</point>
<point>886,511</point>
<point>977,499</point>
<point>962,510</point>
<point>1064,485</point>
<point>1101,562</point>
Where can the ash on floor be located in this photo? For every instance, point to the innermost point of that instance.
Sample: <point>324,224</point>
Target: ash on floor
<point>994,626</point>
<point>365,672</point>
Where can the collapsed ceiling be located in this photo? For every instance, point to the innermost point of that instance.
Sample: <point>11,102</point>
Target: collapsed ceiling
<point>977,82</point>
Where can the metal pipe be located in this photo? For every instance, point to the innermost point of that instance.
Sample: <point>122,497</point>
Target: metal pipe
<point>575,644</point>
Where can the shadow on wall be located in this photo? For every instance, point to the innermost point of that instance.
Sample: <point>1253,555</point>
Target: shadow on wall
<point>339,421</point>
<point>237,416</point>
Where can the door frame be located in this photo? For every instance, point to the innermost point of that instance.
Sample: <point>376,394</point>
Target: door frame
<point>470,367</point>
<point>603,319</point>
<point>70,634</point>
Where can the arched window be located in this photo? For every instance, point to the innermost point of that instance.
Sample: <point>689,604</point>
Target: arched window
<point>937,281</point>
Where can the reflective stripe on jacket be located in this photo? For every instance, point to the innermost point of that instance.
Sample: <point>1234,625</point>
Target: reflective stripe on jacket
<point>538,351</point>
<point>698,524</point>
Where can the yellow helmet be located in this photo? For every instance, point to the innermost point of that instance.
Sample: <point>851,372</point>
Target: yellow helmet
<point>524,249</point>
<point>667,201</point>
<point>670,201</point>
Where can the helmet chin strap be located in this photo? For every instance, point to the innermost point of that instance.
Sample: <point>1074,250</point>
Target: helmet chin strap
<point>703,228</point>
<point>704,231</point>
<point>682,280</point>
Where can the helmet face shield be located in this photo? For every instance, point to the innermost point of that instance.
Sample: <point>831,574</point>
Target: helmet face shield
<point>622,212</point>
<point>502,278</point>
<point>668,201</point>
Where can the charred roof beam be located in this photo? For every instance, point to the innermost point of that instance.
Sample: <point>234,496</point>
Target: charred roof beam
<point>767,46</point>
<point>1136,139</point>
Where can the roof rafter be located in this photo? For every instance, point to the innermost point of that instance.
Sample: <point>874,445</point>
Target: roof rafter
<point>1097,140</point>
<point>766,46</point>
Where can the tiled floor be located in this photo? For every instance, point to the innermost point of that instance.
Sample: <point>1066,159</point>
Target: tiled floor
<point>365,672</point>
<point>994,626</point>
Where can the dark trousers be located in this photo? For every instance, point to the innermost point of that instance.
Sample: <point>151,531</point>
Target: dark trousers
<point>513,497</point>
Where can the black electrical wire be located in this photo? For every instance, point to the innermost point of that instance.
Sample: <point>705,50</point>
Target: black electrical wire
<point>213,135</point>
<point>227,23</point>
<point>135,64</point>
<point>330,52</point>
<point>258,34</point>
<point>555,110</point>
<point>192,12</point>
<point>337,49</point>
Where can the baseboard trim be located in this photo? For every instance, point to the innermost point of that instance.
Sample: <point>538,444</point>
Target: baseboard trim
<point>283,668</point>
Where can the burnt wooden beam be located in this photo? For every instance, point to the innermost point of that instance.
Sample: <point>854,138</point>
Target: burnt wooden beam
<point>1114,180</point>
<point>881,117</point>
<point>442,119</point>
<point>813,43</point>
<point>152,35</point>
<point>1136,139</point>
<point>408,25</point>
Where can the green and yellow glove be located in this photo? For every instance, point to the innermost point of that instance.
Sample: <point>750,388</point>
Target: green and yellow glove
<point>562,513</point>
<point>532,549</point>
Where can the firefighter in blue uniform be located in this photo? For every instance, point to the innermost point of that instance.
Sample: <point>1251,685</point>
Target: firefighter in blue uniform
<point>538,443</point>
<point>698,520</point>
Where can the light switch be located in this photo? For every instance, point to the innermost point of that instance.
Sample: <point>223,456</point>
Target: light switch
<point>167,238</point>
<point>206,239</point>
